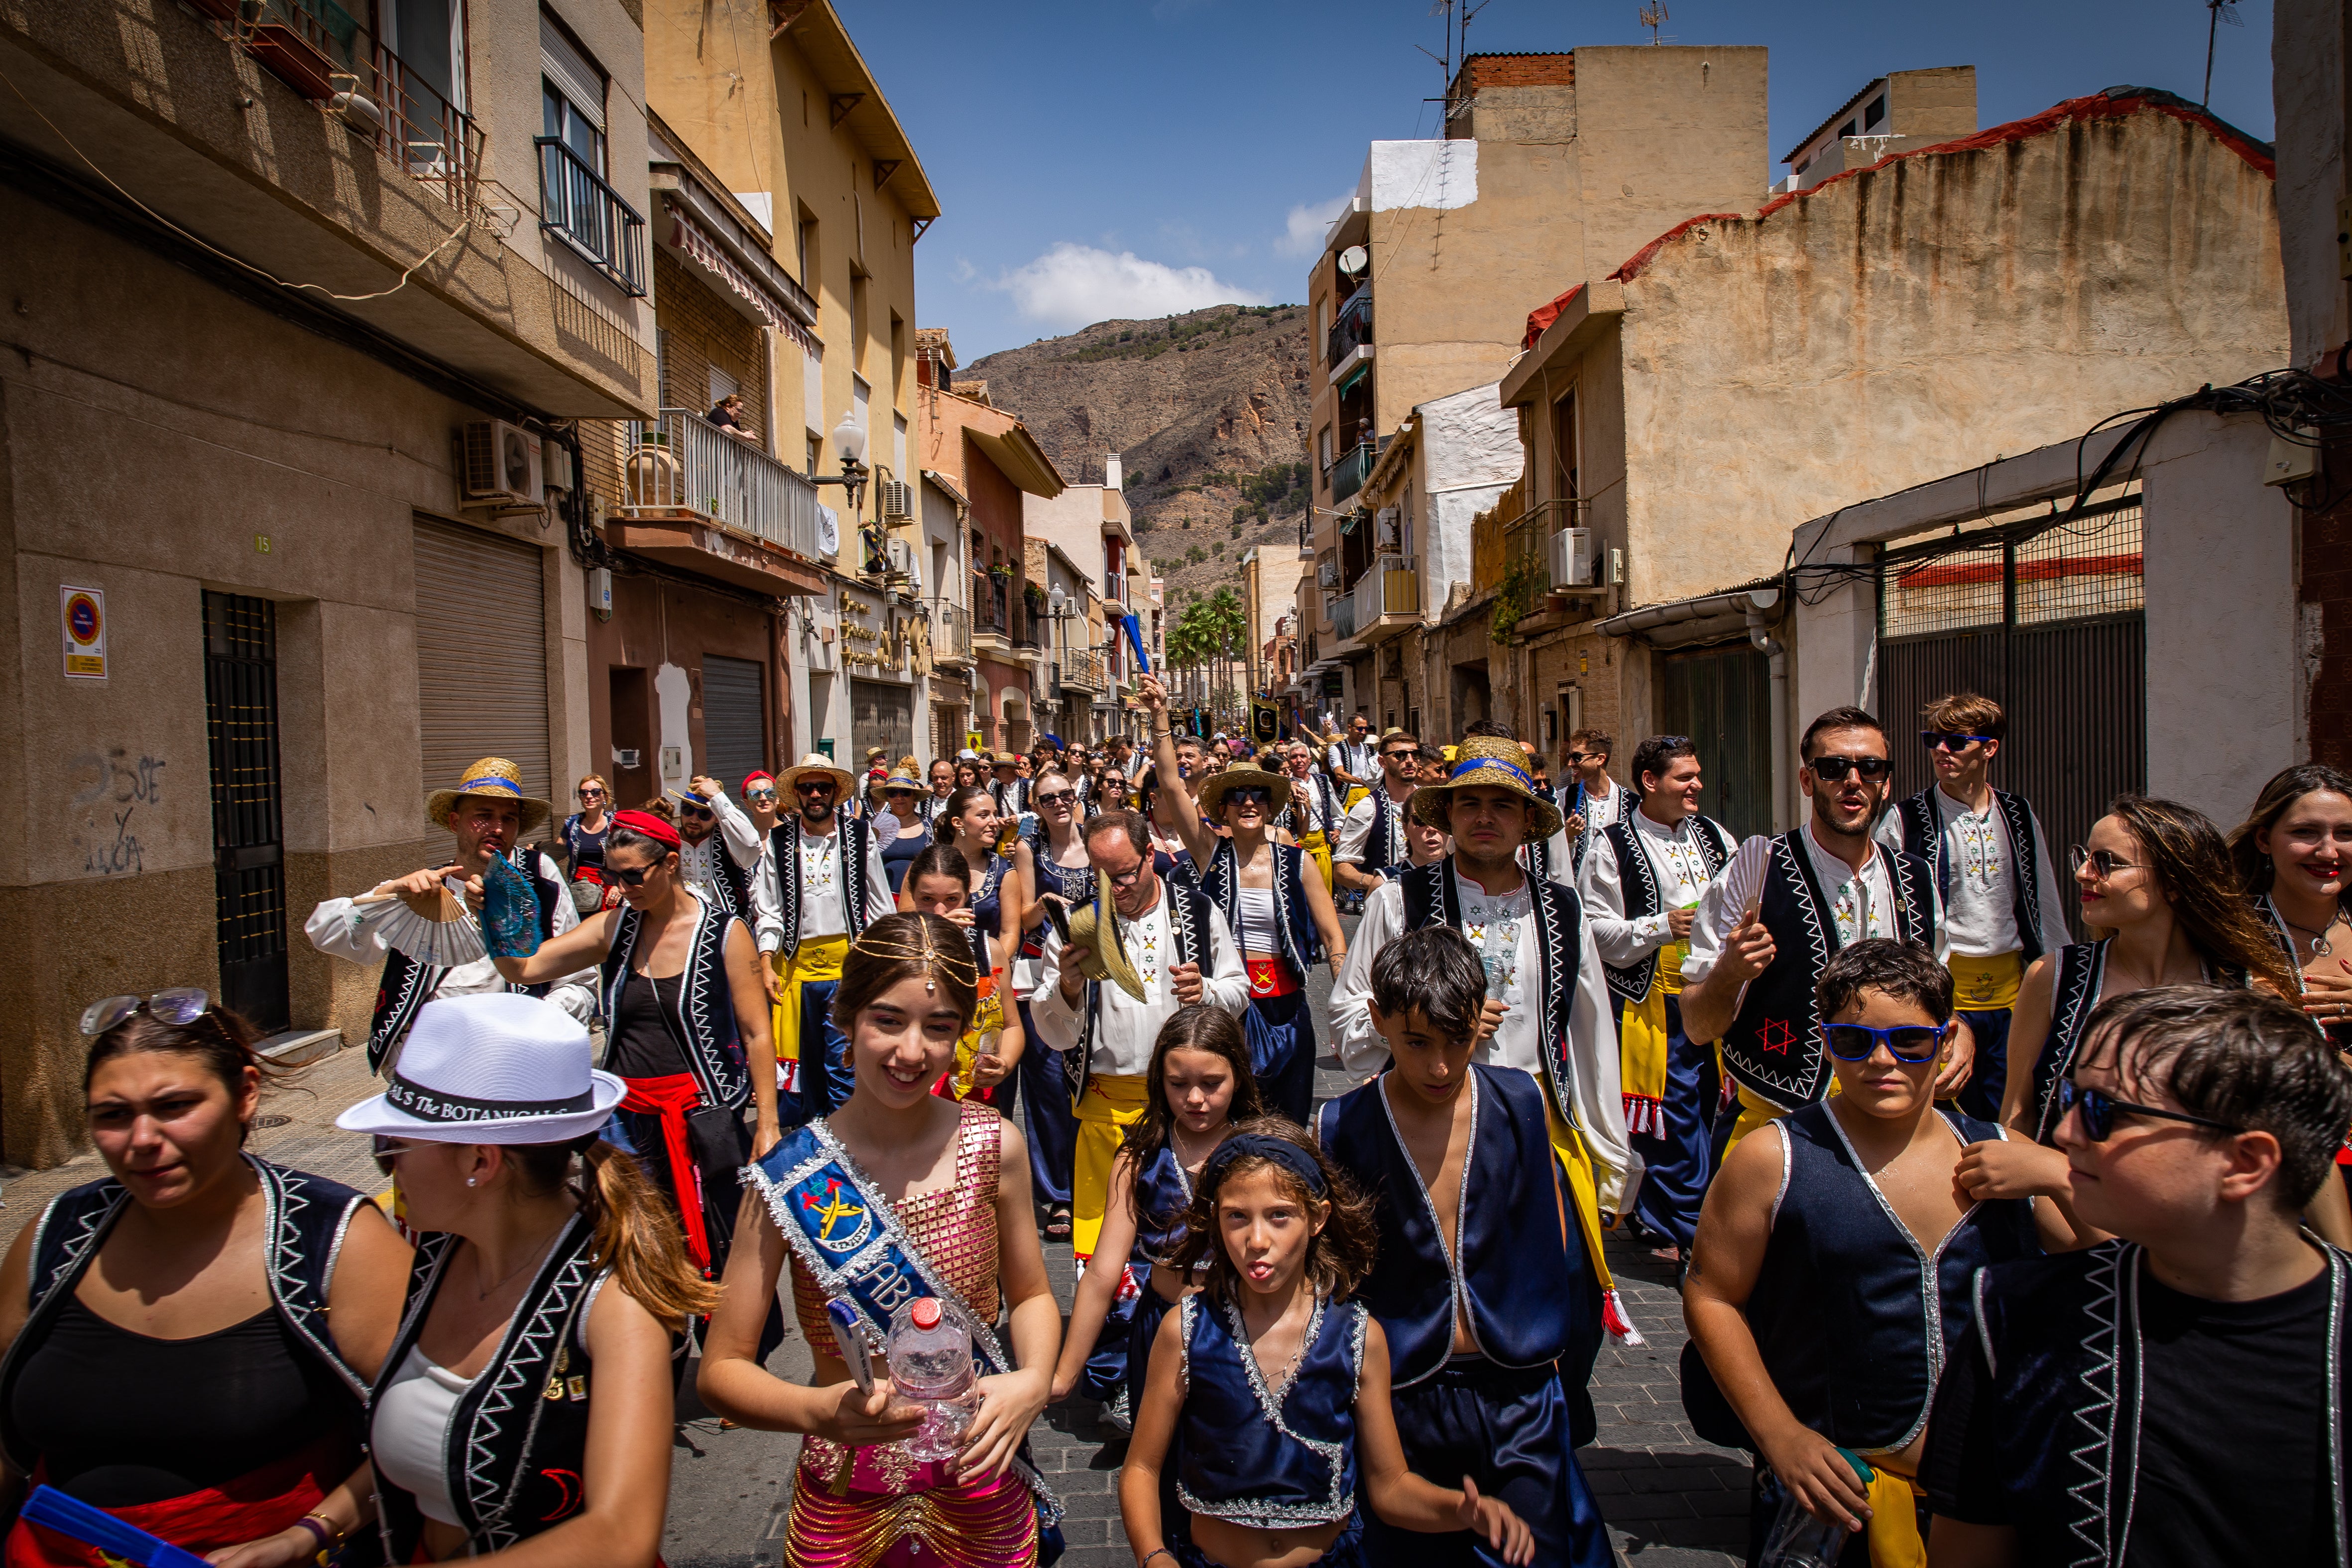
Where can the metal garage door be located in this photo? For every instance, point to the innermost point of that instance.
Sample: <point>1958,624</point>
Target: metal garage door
<point>734,740</point>
<point>882,716</point>
<point>1721,698</point>
<point>481,656</point>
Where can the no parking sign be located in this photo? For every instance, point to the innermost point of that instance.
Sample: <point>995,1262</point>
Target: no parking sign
<point>83,611</point>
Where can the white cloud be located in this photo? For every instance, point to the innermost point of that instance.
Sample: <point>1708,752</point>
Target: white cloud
<point>1076,285</point>
<point>1307,226</point>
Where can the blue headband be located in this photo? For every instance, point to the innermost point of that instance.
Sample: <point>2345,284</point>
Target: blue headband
<point>1469,763</point>
<point>1259,1146</point>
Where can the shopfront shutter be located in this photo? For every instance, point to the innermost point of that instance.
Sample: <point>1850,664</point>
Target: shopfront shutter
<point>734,740</point>
<point>881,715</point>
<point>481,656</point>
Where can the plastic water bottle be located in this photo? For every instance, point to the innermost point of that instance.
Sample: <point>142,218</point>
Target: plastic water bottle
<point>1800,1541</point>
<point>930,1365</point>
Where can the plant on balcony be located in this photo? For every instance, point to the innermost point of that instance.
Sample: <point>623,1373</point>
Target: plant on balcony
<point>1035,597</point>
<point>1523,584</point>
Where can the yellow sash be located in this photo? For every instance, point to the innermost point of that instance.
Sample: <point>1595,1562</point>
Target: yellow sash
<point>987,1023</point>
<point>1355,794</point>
<point>1893,1530</point>
<point>1577,1161</point>
<point>1985,984</point>
<point>1317,844</point>
<point>818,958</point>
<point>1111,1104</point>
<point>1642,1040</point>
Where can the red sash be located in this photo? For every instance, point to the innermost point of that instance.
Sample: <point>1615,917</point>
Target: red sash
<point>670,1098</point>
<point>257,1504</point>
<point>1270,977</point>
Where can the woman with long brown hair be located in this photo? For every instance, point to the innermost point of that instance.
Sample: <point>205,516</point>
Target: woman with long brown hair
<point>2293,856</point>
<point>930,1200</point>
<point>2156,878</point>
<point>485,1437</point>
<point>190,1341</point>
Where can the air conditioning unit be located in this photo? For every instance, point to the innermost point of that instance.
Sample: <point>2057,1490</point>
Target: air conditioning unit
<point>902,565</point>
<point>1327,575</point>
<point>1572,558</point>
<point>502,463</point>
<point>897,500</point>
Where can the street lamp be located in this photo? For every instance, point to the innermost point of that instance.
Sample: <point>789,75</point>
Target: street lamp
<point>849,440</point>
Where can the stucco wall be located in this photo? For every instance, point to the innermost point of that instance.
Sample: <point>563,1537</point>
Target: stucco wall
<point>2307,86</point>
<point>1895,325</point>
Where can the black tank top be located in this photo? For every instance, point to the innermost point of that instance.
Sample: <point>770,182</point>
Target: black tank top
<point>643,1046</point>
<point>120,1419</point>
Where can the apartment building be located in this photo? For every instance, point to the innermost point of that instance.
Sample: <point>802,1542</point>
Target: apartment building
<point>1901,111</point>
<point>1550,167</point>
<point>304,319</point>
<point>1090,667</point>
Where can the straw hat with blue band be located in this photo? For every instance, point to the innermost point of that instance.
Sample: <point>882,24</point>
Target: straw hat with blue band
<point>1487,763</point>
<point>492,778</point>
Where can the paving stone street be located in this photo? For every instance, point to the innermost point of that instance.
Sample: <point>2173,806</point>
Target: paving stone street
<point>1671,1501</point>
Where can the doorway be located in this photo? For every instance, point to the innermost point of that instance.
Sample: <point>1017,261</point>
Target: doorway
<point>248,837</point>
<point>634,780</point>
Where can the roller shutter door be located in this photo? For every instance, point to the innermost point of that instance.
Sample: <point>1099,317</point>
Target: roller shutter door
<point>734,740</point>
<point>481,656</point>
<point>882,716</point>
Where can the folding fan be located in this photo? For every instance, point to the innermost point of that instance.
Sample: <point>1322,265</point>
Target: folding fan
<point>509,911</point>
<point>433,928</point>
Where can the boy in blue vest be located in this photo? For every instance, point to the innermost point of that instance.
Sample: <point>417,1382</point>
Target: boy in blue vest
<point>1830,1280</point>
<point>1480,1284</point>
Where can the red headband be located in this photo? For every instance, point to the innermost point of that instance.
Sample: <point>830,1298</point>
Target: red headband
<point>652,826</point>
<point>751,779</point>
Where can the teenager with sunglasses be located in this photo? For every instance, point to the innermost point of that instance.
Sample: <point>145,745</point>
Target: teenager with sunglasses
<point>2175,1395</point>
<point>1782,908</point>
<point>2156,877</point>
<point>685,1019</point>
<point>190,1341</point>
<point>1051,864</point>
<point>1829,1283</point>
<point>1276,905</point>
<point>2002,910</point>
<point>760,803</point>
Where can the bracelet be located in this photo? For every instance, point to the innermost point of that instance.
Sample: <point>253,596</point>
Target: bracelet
<point>326,1538</point>
<point>1157,1552</point>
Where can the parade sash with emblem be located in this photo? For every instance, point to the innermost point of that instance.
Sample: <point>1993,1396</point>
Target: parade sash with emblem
<point>849,1238</point>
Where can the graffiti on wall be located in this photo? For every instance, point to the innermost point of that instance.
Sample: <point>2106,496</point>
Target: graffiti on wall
<point>110,786</point>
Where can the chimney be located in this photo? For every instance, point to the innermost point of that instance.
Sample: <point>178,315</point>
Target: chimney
<point>1111,473</point>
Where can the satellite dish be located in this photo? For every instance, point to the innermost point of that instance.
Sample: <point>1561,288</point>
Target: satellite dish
<point>1353,261</point>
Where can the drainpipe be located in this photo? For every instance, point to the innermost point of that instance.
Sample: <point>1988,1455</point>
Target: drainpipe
<point>1774,649</point>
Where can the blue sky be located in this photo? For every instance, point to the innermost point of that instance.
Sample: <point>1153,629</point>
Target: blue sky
<point>1138,157</point>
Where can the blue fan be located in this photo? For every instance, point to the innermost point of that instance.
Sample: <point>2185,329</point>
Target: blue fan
<point>95,1527</point>
<point>509,911</point>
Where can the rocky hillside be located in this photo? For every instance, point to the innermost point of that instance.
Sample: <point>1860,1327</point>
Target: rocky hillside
<point>1208,411</point>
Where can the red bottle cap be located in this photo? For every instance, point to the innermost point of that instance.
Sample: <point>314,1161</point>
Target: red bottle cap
<point>924,1313</point>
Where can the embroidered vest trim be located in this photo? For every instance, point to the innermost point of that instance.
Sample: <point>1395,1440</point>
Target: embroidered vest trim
<point>1302,945</point>
<point>705,1019</point>
<point>1637,883</point>
<point>851,834</point>
<point>1923,836</point>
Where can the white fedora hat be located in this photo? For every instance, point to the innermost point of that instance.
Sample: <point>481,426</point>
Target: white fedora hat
<point>497,1067</point>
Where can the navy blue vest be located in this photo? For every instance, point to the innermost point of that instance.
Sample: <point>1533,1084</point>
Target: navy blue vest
<point>2073,992</point>
<point>1302,944</point>
<point>2061,1336</point>
<point>704,1024</point>
<point>1774,1045</point>
<point>304,1219</point>
<point>1382,842</point>
<point>1637,885</point>
<point>1255,1459</point>
<point>1510,1263</point>
<point>407,984</point>
<point>1923,836</point>
<point>852,834</point>
<point>1854,1321</point>
<point>1163,1194</point>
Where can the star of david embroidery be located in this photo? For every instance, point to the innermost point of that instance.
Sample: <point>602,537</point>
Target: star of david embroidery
<point>1775,1034</point>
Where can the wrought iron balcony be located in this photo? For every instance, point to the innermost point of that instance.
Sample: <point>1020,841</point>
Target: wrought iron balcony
<point>1347,475</point>
<point>1343,619</point>
<point>950,633</point>
<point>685,463</point>
<point>1083,668</point>
<point>579,208</point>
<point>1352,329</point>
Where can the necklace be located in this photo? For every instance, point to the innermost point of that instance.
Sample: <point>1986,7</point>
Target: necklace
<point>2320,947</point>
<point>482,1292</point>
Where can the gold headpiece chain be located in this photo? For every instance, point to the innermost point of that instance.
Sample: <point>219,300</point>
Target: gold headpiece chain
<point>959,966</point>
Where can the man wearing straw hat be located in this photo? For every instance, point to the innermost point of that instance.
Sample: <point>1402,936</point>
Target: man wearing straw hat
<point>825,883</point>
<point>1547,1011</point>
<point>488,814</point>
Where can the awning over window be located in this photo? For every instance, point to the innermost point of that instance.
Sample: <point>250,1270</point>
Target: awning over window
<point>689,237</point>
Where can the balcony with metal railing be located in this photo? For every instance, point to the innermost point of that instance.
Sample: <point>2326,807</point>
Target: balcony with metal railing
<point>580,210</point>
<point>951,634</point>
<point>1083,669</point>
<point>685,469</point>
<point>1354,466</point>
<point>1386,598</point>
<point>1350,330</point>
<point>1343,619</point>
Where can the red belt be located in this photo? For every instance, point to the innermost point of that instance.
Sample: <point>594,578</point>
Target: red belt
<point>670,1098</point>
<point>1270,977</point>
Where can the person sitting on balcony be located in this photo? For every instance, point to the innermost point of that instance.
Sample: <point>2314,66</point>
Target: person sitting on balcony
<point>729,417</point>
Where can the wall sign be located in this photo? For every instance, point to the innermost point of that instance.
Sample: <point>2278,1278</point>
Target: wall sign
<point>83,613</point>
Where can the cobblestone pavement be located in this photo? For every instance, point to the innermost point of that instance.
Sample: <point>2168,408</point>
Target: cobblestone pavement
<point>1671,1501</point>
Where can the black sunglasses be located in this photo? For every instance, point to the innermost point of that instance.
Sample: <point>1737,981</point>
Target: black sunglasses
<point>697,813</point>
<point>2099,1110</point>
<point>1832,770</point>
<point>1249,796</point>
<point>1053,796</point>
<point>629,876</point>
<point>1911,1043</point>
<point>817,786</point>
<point>1948,740</point>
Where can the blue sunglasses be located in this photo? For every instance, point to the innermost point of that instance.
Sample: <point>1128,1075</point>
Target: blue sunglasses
<point>1904,1042</point>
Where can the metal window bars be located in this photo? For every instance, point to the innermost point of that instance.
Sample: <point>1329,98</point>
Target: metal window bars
<point>579,208</point>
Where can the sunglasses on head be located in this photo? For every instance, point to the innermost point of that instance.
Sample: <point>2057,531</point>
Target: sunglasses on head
<point>2098,1111</point>
<point>1832,770</point>
<point>1912,1043</point>
<point>1949,740</point>
<point>181,1005</point>
<point>2104,863</point>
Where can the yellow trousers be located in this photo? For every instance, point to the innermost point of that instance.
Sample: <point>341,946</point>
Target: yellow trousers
<point>1355,794</point>
<point>1985,984</point>
<point>818,959</point>
<point>1111,1104</point>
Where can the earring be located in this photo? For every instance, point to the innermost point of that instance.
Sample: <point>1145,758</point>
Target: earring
<point>470,1181</point>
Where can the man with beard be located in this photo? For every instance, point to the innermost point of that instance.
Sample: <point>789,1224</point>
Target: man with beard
<point>1372,835</point>
<point>1769,924</point>
<point>488,814</point>
<point>719,847</point>
<point>826,884</point>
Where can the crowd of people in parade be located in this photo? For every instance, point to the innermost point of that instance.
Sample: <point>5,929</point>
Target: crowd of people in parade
<point>1995,1247</point>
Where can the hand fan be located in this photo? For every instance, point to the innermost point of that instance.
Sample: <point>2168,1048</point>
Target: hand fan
<point>433,928</point>
<point>71,1517</point>
<point>509,911</point>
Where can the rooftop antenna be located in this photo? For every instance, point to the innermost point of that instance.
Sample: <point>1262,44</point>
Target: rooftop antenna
<point>1456,42</point>
<point>1653,16</point>
<point>2218,12</point>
